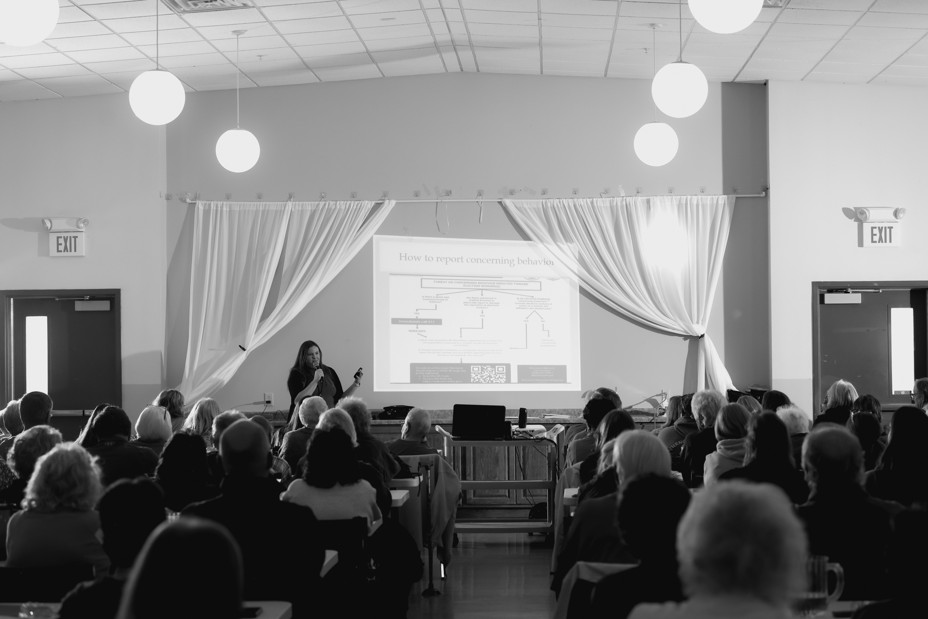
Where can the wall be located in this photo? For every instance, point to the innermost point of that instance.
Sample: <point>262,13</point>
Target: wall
<point>90,157</point>
<point>834,147</point>
<point>461,133</point>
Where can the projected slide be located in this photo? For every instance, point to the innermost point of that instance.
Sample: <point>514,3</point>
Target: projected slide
<point>469,315</point>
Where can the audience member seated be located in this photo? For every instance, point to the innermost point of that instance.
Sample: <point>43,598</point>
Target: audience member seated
<point>293,445</point>
<point>188,569</point>
<point>369,449</point>
<point>673,437</point>
<point>87,438</point>
<point>696,446</point>
<point>213,460</point>
<point>742,554</point>
<point>902,473</point>
<point>839,399</point>
<point>731,431</point>
<point>58,526</point>
<point>35,409</point>
<point>27,448</point>
<point>773,400</point>
<point>413,437</point>
<point>769,459</point>
<point>152,429</point>
<point>584,445</point>
<point>649,512</point>
<point>173,401</point>
<point>605,481</point>
<point>12,426</point>
<point>249,506</point>
<point>672,414</point>
<point>279,467</point>
<point>594,533</point>
<point>841,520</point>
<point>200,419</point>
<point>869,404</point>
<point>611,426</point>
<point>116,457</point>
<point>867,430</point>
<point>576,430</point>
<point>908,570</point>
<point>920,394</point>
<point>798,423</point>
<point>182,472</point>
<point>337,418</point>
<point>750,403</point>
<point>129,511</point>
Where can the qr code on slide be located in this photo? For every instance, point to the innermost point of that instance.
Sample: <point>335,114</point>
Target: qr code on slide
<point>488,374</point>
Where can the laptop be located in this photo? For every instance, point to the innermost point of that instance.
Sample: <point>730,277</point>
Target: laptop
<point>479,422</point>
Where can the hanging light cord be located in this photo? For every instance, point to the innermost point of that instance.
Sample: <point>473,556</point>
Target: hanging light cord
<point>654,65</point>
<point>157,38</point>
<point>238,71</point>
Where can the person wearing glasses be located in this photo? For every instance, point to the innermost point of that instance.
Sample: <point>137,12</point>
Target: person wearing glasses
<point>920,393</point>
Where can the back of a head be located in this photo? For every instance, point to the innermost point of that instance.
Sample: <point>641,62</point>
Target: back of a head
<point>417,425</point>
<point>357,410</point>
<point>153,424</point>
<point>797,421</point>
<point>674,408</point>
<point>650,509</point>
<point>330,459</point>
<point>706,406</point>
<point>222,422</point>
<point>172,400</point>
<point>768,440</point>
<point>613,424</point>
<point>244,449</point>
<point>264,424</point>
<point>29,446</point>
<point>112,422</point>
<point>750,403</point>
<point>311,409</point>
<point>130,510</point>
<point>866,428</point>
<point>606,456</point>
<point>594,411</point>
<point>906,451</point>
<point>605,393</point>
<point>638,452</point>
<point>189,569</point>
<point>841,393</point>
<point>732,422</point>
<point>183,459</point>
<point>920,390</point>
<point>201,416</point>
<point>687,401</point>
<point>35,409</point>
<point>738,538</point>
<point>832,457</point>
<point>337,418</point>
<point>869,404</point>
<point>65,479</point>
<point>774,399</point>
<point>11,419</point>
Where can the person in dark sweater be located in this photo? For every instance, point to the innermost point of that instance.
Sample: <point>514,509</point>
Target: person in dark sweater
<point>293,445</point>
<point>129,511</point>
<point>696,446</point>
<point>900,474</point>
<point>413,438</point>
<point>839,400</point>
<point>116,457</point>
<point>649,512</point>
<point>369,449</point>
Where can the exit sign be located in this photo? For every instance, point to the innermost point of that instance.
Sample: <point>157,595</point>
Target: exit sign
<point>66,244</point>
<point>881,235</point>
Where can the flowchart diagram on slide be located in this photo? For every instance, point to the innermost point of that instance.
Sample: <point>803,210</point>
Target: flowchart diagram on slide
<point>480,330</point>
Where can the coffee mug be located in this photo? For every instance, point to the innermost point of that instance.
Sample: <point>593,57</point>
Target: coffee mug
<point>816,598</point>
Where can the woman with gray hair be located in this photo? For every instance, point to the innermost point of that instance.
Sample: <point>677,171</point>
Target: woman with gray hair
<point>27,448</point>
<point>839,401</point>
<point>742,553</point>
<point>58,525</point>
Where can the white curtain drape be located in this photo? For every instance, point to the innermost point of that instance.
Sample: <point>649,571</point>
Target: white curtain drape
<point>656,260</point>
<point>237,249</point>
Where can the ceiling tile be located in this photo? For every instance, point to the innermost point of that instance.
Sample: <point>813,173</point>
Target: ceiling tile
<point>575,34</point>
<point>361,7</point>
<point>579,7</point>
<point>502,17</point>
<point>252,29</point>
<point>896,20</point>
<point>61,70</point>
<point>350,72</point>
<point>322,38</point>
<point>118,10</point>
<point>24,91</point>
<point>137,65</point>
<point>80,86</point>
<point>220,63</point>
<point>306,10</point>
<point>394,32</point>
<point>901,6</point>
<point>251,43</point>
<point>184,35</point>
<point>332,50</point>
<point>814,16</point>
<point>144,24</point>
<point>526,6</point>
<point>177,49</point>
<point>374,20</point>
<point>224,18</point>
<point>103,55</point>
<point>299,26</point>
<point>339,60</point>
<point>34,60</point>
<point>105,41</point>
<point>78,29</point>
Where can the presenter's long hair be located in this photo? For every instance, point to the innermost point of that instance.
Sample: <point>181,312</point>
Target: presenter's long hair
<point>300,365</point>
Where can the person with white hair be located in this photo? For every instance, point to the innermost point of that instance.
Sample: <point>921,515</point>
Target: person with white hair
<point>153,429</point>
<point>742,553</point>
<point>413,440</point>
<point>706,405</point>
<point>369,449</point>
<point>293,446</point>
<point>798,423</point>
<point>839,401</point>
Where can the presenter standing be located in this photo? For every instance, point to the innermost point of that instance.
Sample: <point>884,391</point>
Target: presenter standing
<point>309,377</point>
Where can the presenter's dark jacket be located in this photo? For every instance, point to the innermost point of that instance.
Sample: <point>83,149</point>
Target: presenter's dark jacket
<point>329,388</point>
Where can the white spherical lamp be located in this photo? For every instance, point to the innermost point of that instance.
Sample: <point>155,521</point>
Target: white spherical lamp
<point>238,150</point>
<point>679,89</point>
<point>157,97</point>
<point>725,16</point>
<point>27,22</point>
<point>656,144</point>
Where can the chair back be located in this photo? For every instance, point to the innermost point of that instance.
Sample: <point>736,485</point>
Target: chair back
<point>41,584</point>
<point>349,538</point>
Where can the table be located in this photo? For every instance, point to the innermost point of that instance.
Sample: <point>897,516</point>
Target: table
<point>330,561</point>
<point>269,609</point>
<point>410,516</point>
<point>399,497</point>
<point>408,483</point>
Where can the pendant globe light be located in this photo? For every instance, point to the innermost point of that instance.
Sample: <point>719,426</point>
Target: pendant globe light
<point>237,149</point>
<point>27,22</point>
<point>680,89</point>
<point>656,143</point>
<point>157,97</point>
<point>725,16</point>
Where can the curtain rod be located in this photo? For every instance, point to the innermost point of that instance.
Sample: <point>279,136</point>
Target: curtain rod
<point>441,199</point>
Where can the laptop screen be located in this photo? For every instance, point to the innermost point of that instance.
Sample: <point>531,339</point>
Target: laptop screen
<point>478,421</point>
